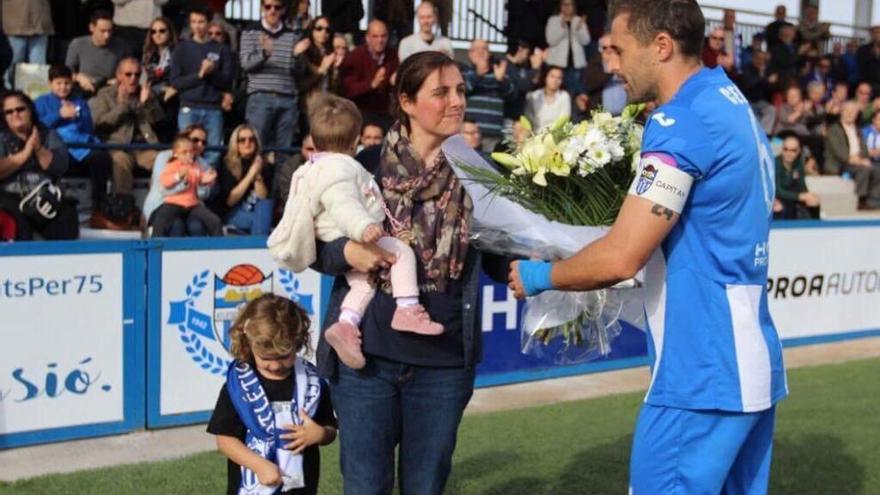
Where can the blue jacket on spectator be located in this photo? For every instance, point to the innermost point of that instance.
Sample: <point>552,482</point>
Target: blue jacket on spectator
<point>75,130</point>
<point>185,63</point>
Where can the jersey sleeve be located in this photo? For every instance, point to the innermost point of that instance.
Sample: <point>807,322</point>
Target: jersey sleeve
<point>678,134</point>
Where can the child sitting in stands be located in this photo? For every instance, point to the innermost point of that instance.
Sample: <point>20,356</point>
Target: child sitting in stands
<point>182,169</point>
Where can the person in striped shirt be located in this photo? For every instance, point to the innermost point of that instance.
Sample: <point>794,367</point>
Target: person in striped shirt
<point>487,85</point>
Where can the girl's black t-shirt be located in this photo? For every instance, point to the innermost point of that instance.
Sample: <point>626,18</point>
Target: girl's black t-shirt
<point>225,421</point>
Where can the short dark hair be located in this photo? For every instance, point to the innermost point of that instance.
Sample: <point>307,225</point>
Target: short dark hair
<point>59,72</point>
<point>201,10</point>
<point>681,19</point>
<point>469,121</point>
<point>99,15</point>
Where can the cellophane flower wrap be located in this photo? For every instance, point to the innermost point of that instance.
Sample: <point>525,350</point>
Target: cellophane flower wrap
<point>549,196</point>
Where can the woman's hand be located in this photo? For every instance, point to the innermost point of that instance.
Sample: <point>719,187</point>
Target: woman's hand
<point>366,258</point>
<point>326,63</point>
<point>302,46</point>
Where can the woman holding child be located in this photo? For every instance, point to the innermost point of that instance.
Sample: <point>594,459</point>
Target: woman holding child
<point>413,388</point>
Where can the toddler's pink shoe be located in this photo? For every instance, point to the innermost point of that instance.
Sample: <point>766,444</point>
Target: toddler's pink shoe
<point>345,339</point>
<point>415,319</point>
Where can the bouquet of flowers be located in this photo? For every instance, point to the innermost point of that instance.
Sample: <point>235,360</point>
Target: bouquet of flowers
<point>558,190</point>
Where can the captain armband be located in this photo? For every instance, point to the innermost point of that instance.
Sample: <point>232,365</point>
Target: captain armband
<point>659,180</point>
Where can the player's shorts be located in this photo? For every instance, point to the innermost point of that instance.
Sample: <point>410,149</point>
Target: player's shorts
<point>681,451</point>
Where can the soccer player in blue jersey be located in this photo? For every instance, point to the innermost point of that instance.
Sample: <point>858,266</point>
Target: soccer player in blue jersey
<point>697,217</point>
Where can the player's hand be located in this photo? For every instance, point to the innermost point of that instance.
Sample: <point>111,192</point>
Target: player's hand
<point>514,281</point>
<point>268,473</point>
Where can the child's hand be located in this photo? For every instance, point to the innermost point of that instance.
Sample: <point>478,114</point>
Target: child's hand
<point>268,473</point>
<point>310,433</point>
<point>372,233</point>
<point>209,176</point>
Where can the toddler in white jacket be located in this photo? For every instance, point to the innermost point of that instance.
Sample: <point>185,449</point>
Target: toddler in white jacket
<point>333,196</point>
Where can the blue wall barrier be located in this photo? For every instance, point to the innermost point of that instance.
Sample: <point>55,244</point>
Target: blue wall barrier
<point>109,337</point>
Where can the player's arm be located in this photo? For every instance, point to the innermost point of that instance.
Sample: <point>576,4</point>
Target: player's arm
<point>648,214</point>
<point>638,231</point>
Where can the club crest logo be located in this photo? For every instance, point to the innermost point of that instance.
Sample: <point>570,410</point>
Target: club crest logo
<point>646,179</point>
<point>203,322</point>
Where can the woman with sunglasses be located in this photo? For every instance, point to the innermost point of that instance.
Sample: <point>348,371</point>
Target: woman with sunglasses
<point>31,155</point>
<point>245,184</point>
<point>192,227</point>
<point>321,73</point>
<point>160,42</point>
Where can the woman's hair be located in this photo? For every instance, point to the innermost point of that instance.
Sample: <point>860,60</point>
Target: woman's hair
<point>330,32</point>
<point>233,157</point>
<point>28,102</point>
<point>411,76</point>
<point>195,126</point>
<point>269,325</point>
<point>151,48</point>
<point>335,123</point>
<point>545,71</point>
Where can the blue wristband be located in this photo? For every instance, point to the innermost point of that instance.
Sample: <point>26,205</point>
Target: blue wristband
<point>535,276</point>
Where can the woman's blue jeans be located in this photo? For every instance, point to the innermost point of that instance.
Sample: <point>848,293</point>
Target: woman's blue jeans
<point>390,405</point>
<point>255,221</point>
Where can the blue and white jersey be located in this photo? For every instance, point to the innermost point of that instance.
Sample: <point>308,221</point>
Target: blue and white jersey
<point>712,342</point>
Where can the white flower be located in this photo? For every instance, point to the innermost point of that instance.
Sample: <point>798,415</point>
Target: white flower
<point>599,155</point>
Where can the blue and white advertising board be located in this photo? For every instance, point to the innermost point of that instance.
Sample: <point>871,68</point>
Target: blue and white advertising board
<point>72,354</point>
<point>200,293</point>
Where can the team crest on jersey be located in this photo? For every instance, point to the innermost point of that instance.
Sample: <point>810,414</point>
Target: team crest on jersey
<point>646,178</point>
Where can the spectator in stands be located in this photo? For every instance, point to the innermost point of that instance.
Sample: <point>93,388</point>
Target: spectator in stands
<point>345,16</point>
<point>182,178</point>
<point>132,20</point>
<point>527,20</point>
<point>821,73</point>
<point>124,113</point>
<point>340,48</point>
<point>32,157</point>
<point>748,52</point>
<point>548,103</point>
<point>816,117</point>
<point>784,58</point>
<point>397,16</point>
<point>192,227</point>
<point>850,60</point>
<point>299,19</point>
<point>70,118</point>
<point>524,70</point>
<point>487,87</point>
<point>231,37</point>
<point>269,52</point>
<point>470,131</point>
<point>603,88</point>
<point>714,54</point>
<point>245,182</point>
<point>868,57</point>
<point>871,135</point>
<point>158,46</point>
<point>772,30</point>
<point>863,100</point>
<point>845,151</point>
<point>839,96</point>
<point>793,200</point>
<point>217,33</point>
<point>792,114</point>
<point>810,30</point>
<point>758,84</point>
<point>93,58</point>
<point>371,135</point>
<point>426,39</point>
<point>368,75</point>
<point>567,34</point>
<point>201,71</point>
<point>733,40</point>
<point>284,172</point>
<point>319,65</point>
<point>28,25</point>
